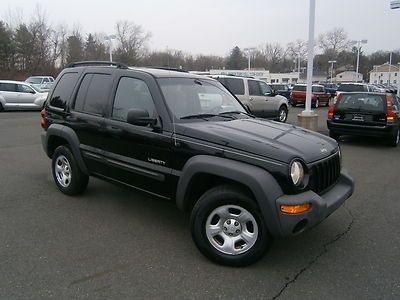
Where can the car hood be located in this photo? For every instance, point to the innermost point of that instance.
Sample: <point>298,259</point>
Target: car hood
<point>282,142</point>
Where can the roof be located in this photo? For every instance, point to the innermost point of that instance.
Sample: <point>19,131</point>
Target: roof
<point>385,68</point>
<point>164,73</point>
<point>304,84</point>
<point>14,81</point>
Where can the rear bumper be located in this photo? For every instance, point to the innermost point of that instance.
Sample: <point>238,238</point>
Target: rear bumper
<point>322,205</point>
<point>362,130</point>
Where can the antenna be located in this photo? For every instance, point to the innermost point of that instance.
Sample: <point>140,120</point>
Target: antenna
<point>173,103</point>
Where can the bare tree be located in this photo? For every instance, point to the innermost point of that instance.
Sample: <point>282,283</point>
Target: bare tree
<point>132,42</point>
<point>334,41</point>
<point>273,54</point>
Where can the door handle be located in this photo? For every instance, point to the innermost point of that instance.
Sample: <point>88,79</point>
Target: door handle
<point>114,129</point>
<point>251,98</point>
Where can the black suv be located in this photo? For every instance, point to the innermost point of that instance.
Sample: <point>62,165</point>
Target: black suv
<point>184,137</point>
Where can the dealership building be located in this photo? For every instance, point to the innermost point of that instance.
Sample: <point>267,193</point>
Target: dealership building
<point>292,77</point>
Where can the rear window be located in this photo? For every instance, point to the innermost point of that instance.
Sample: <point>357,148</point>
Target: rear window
<point>352,88</point>
<point>315,89</point>
<point>278,87</point>
<point>62,92</point>
<point>361,102</point>
<point>300,88</point>
<point>235,85</point>
<point>318,89</point>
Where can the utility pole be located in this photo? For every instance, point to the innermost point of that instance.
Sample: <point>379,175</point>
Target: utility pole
<point>359,42</point>
<point>109,38</point>
<point>249,49</point>
<point>332,62</point>
<point>390,66</point>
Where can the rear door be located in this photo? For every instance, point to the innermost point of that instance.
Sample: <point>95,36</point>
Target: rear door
<point>26,95</point>
<point>257,100</point>
<point>10,94</point>
<point>271,103</point>
<point>361,109</point>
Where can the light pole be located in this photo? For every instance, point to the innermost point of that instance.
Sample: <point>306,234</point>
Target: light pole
<point>310,58</point>
<point>249,49</point>
<point>332,62</point>
<point>359,42</point>
<point>390,67</point>
<point>109,38</point>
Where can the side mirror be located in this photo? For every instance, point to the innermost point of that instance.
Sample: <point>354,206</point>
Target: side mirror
<point>140,117</point>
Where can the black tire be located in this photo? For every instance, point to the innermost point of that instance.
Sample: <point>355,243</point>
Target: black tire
<point>77,181</point>
<point>395,139</point>
<point>221,197</point>
<point>1,107</point>
<point>293,104</point>
<point>282,114</point>
<point>334,135</point>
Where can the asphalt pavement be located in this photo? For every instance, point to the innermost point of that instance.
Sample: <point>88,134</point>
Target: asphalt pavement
<point>116,243</point>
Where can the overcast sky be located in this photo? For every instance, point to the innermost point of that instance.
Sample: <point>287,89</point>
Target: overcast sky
<point>216,26</point>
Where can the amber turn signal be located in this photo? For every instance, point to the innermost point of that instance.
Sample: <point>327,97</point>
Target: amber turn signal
<point>295,209</point>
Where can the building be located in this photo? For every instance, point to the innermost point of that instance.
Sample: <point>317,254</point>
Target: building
<point>349,76</point>
<point>385,74</point>
<point>265,75</point>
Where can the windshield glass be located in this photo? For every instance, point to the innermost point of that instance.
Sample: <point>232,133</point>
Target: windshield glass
<point>361,102</point>
<point>351,88</point>
<point>191,96</point>
<point>34,80</point>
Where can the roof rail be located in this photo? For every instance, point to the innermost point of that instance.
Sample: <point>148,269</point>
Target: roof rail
<point>168,69</point>
<point>97,63</point>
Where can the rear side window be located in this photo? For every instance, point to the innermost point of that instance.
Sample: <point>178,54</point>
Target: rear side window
<point>299,88</point>
<point>318,89</point>
<point>235,85</point>
<point>8,87</point>
<point>92,96</point>
<point>254,88</point>
<point>62,92</point>
<point>362,102</point>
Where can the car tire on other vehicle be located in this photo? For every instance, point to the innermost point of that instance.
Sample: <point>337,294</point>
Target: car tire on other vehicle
<point>316,104</point>
<point>1,107</point>
<point>228,228</point>
<point>282,114</point>
<point>395,139</point>
<point>66,173</point>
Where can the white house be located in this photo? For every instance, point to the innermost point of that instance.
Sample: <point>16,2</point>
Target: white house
<point>260,74</point>
<point>349,76</point>
<point>385,74</point>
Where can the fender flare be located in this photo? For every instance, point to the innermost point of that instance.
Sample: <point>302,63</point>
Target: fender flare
<point>261,183</point>
<point>70,136</point>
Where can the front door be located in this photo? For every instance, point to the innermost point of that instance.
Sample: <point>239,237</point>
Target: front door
<point>137,155</point>
<point>26,96</point>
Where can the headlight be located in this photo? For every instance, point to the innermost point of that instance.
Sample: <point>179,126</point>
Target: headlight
<point>297,173</point>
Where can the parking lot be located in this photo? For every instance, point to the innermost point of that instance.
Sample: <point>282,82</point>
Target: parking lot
<point>116,243</point>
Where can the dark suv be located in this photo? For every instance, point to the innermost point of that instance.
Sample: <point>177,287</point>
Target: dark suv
<point>184,137</point>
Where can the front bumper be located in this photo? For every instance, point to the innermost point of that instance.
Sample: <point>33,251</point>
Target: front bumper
<point>322,206</point>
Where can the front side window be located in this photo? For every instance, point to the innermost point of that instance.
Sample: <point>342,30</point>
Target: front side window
<point>254,88</point>
<point>265,89</point>
<point>132,93</point>
<point>192,96</point>
<point>93,93</point>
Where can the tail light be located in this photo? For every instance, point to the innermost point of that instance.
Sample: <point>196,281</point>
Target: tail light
<point>331,110</point>
<point>43,121</point>
<point>390,115</point>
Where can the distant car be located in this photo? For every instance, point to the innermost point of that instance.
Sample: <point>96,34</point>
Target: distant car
<point>330,88</point>
<point>355,87</point>
<point>365,114</point>
<point>281,89</point>
<point>257,96</point>
<point>20,95</point>
<point>39,81</point>
<point>45,87</point>
<point>319,95</point>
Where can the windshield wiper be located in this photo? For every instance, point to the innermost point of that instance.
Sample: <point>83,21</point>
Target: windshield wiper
<point>204,116</point>
<point>235,112</point>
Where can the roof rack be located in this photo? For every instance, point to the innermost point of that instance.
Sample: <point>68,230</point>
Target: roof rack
<point>168,69</point>
<point>97,63</point>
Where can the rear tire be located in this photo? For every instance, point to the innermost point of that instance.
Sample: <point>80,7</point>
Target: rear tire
<point>1,107</point>
<point>67,175</point>
<point>293,104</point>
<point>334,135</point>
<point>395,139</point>
<point>228,228</point>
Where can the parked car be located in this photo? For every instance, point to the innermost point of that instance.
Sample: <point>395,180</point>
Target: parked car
<point>281,89</point>
<point>330,88</point>
<point>319,95</point>
<point>186,138</point>
<point>257,97</point>
<point>365,114</point>
<point>39,81</point>
<point>20,95</point>
<point>45,87</point>
<point>355,87</point>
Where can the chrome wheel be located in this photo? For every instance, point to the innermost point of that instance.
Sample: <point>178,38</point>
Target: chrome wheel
<point>282,115</point>
<point>62,169</point>
<point>231,229</point>
<point>316,103</point>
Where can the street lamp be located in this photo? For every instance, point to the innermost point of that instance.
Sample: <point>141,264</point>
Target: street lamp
<point>109,38</point>
<point>249,49</point>
<point>310,58</point>
<point>332,62</point>
<point>359,42</point>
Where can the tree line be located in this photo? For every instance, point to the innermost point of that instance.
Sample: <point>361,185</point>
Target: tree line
<point>36,48</point>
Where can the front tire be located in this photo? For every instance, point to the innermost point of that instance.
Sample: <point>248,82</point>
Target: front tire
<point>67,175</point>
<point>282,114</point>
<point>227,227</point>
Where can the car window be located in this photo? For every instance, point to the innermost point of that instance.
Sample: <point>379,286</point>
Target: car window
<point>132,93</point>
<point>254,88</point>
<point>24,89</point>
<point>93,93</point>
<point>62,92</point>
<point>318,89</point>
<point>351,88</point>
<point>235,85</point>
<point>300,88</point>
<point>395,102</point>
<point>8,87</point>
<point>265,89</point>
<point>46,80</point>
<point>361,102</point>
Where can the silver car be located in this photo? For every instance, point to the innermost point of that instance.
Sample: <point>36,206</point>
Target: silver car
<point>20,95</point>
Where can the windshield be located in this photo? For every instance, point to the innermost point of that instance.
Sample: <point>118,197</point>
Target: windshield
<point>34,80</point>
<point>315,89</point>
<point>190,96</point>
<point>361,102</point>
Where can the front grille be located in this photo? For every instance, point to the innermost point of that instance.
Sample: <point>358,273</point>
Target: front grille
<point>325,173</point>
